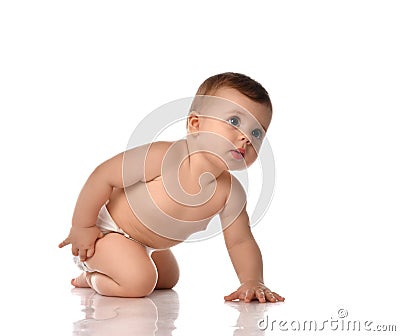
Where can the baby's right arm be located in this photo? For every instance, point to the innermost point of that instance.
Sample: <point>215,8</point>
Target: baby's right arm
<point>122,170</point>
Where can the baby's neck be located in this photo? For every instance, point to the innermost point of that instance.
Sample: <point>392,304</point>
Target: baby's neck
<point>202,163</point>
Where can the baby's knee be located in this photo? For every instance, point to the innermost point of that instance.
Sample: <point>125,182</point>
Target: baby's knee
<point>140,283</point>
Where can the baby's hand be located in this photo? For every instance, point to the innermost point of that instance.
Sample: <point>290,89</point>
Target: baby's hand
<point>254,290</point>
<point>82,240</point>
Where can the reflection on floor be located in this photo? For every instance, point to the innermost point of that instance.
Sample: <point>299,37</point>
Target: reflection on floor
<point>121,316</point>
<point>180,312</point>
<point>158,315</point>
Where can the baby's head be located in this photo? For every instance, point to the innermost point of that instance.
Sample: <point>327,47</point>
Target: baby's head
<point>229,117</point>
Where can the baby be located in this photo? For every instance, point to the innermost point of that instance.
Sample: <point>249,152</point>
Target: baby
<point>135,206</point>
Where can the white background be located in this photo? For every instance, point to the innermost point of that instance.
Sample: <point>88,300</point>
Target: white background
<point>76,77</point>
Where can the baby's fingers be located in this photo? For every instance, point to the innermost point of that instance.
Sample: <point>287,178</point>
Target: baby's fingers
<point>90,252</point>
<point>278,297</point>
<point>65,242</point>
<point>271,296</point>
<point>83,254</point>
<point>233,296</point>
<point>249,295</point>
<point>75,251</point>
<point>260,295</point>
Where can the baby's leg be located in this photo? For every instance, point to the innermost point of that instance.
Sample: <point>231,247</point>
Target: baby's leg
<point>123,268</point>
<point>167,269</point>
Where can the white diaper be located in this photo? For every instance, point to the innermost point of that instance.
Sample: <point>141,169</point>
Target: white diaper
<point>107,225</point>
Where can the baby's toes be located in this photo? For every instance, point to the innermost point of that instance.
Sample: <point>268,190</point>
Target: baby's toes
<point>80,281</point>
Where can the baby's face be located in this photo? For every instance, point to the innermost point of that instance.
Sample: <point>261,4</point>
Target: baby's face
<point>233,126</point>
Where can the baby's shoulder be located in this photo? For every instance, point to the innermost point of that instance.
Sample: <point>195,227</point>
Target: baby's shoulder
<point>153,157</point>
<point>235,198</point>
<point>160,146</point>
<point>156,150</point>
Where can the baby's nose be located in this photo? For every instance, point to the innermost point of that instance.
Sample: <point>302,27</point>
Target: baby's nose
<point>244,138</point>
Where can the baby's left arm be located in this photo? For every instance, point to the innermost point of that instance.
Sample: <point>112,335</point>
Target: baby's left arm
<point>244,251</point>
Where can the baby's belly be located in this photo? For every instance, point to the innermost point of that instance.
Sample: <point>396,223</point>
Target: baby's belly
<point>148,214</point>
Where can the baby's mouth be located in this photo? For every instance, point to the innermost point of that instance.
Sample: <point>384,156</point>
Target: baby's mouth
<point>238,154</point>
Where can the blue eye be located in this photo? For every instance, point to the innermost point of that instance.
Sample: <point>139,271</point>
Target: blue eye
<point>234,121</point>
<point>257,133</point>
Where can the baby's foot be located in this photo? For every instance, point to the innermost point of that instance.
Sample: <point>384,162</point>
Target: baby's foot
<point>80,281</point>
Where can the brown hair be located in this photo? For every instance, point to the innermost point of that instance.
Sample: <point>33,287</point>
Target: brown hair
<point>244,84</point>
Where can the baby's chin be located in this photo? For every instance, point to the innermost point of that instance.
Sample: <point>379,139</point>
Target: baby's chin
<point>235,166</point>
<point>229,162</point>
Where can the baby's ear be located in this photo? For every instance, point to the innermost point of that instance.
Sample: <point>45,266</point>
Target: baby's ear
<point>193,122</point>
